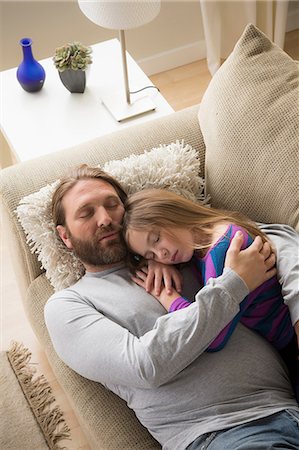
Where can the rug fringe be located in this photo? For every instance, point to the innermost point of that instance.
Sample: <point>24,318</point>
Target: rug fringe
<point>39,396</point>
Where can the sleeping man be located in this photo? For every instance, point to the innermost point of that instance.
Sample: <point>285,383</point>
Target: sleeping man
<point>108,329</point>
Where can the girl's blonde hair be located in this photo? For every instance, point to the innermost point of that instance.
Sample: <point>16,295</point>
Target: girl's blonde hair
<point>152,209</point>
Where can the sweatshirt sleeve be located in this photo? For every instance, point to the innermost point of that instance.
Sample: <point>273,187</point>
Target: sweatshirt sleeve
<point>286,242</point>
<point>102,350</point>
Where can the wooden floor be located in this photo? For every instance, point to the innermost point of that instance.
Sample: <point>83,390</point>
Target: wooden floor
<point>182,87</point>
<point>185,85</point>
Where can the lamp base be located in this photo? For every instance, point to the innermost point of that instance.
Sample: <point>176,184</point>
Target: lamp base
<point>121,110</point>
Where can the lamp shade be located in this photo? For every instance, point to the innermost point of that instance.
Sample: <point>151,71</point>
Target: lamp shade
<point>120,15</point>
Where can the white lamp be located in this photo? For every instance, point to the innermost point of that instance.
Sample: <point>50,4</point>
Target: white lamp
<point>122,15</point>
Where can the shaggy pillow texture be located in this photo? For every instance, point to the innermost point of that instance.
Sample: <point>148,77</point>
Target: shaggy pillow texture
<point>249,118</point>
<point>174,167</point>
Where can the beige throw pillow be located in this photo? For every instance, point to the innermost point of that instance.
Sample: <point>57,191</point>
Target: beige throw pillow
<point>249,117</point>
<point>174,167</point>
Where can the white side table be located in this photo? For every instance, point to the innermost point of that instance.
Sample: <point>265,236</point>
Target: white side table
<point>36,124</point>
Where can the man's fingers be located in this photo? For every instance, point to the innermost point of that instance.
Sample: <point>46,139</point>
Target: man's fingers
<point>271,273</point>
<point>269,262</point>
<point>257,244</point>
<point>266,250</point>
<point>236,242</point>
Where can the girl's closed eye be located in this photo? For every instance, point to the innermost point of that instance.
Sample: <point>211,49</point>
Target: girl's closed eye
<point>155,237</point>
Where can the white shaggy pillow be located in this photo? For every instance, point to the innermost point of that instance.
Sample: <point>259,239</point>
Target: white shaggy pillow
<point>174,167</point>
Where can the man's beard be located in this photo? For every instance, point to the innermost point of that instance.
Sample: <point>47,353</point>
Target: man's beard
<point>91,251</point>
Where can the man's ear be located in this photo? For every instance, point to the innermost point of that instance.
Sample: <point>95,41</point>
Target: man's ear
<point>63,234</point>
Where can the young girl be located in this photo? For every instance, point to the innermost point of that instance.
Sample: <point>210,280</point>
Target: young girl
<point>162,226</point>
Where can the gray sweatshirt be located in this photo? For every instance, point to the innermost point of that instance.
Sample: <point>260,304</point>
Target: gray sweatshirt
<point>156,361</point>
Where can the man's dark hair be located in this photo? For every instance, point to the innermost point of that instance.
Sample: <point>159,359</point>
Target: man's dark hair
<point>83,172</point>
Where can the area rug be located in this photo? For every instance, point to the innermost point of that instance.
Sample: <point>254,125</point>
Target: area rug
<point>29,416</point>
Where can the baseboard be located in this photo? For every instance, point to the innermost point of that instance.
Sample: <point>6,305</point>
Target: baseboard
<point>170,59</point>
<point>160,62</point>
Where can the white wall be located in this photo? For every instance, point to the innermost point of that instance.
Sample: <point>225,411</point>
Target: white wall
<point>174,38</point>
<point>53,23</point>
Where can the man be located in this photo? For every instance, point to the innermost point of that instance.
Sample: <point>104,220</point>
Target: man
<point>238,398</point>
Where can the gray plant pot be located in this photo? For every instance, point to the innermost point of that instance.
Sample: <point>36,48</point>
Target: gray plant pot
<point>73,80</point>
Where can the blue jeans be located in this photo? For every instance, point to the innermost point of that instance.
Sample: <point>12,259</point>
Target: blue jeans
<point>278,431</point>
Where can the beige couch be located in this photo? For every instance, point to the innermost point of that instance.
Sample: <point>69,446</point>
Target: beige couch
<point>106,420</point>
<point>251,164</point>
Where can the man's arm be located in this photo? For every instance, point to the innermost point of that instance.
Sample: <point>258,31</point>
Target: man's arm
<point>102,350</point>
<point>286,242</point>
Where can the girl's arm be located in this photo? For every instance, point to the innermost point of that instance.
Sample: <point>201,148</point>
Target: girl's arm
<point>166,299</point>
<point>159,275</point>
<point>254,265</point>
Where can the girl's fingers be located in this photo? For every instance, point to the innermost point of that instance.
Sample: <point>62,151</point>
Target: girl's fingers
<point>177,281</point>
<point>149,281</point>
<point>158,283</point>
<point>167,282</point>
<point>138,281</point>
<point>141,275</point>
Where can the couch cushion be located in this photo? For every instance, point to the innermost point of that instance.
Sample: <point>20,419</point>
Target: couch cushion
<point>175,167</point>
<point>249,117</point>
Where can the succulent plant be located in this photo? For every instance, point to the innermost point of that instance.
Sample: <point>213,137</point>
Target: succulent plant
<point>72,56</point>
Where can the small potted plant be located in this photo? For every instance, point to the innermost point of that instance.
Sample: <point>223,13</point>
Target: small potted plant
<point>72,60</point>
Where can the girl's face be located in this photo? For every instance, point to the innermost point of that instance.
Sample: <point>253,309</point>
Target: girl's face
<point>171,247</point>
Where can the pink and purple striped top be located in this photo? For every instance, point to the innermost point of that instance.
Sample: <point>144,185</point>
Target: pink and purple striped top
<point>263,310</point>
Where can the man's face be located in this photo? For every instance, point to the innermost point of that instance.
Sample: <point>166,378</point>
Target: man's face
<point>93,213</point>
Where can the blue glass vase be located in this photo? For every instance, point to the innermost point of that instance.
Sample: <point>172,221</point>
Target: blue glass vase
<point>30,74</point>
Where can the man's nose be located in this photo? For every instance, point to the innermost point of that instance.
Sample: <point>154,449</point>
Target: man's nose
<point>103,217</point>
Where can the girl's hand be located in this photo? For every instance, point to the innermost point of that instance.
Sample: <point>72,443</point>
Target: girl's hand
<point>163,297</point>
<point>161,276</point>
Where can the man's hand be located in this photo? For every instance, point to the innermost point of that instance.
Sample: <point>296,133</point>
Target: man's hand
<point>255,264</point>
